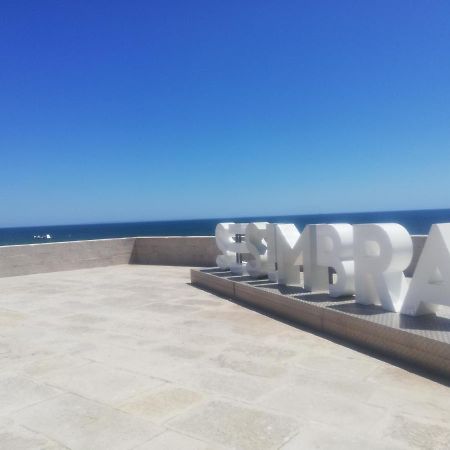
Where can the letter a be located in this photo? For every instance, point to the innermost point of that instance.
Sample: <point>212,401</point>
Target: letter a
<point>430,285</point>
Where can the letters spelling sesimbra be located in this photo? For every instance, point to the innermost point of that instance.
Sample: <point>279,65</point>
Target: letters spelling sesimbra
<point>368,261</point>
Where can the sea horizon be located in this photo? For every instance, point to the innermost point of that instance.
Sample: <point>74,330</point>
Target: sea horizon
<point>415,221</point>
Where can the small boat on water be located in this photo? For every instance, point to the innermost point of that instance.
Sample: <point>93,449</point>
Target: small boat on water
<point>42,236</point>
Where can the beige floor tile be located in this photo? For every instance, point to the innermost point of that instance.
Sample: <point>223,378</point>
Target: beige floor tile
<point>17,392</point>
<point>15,437</point>
<point>170,440</point>
<point>162,404</point>
<point>237,426</point>
<point>98,382</point>
<point>81,424</point>
<point>312,404</point>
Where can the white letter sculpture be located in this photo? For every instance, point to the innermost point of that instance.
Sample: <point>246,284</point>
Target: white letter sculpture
<point>271,234</point>
<point>382,252</point>
<point>291,250</point>
<point>255,237</point>
<point>430,285</point>
<point>225,240</point>
<point>335,249</point>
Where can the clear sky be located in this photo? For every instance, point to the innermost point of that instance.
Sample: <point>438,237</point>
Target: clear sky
<point>147,110</point>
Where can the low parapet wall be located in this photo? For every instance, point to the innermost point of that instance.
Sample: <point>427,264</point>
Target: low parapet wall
<point>192,251</point>
<point>189,251</point>
<point>199,251</point>
<point>57,256</point>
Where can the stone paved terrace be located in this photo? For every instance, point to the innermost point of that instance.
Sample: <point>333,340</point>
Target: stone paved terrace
<point>133,357</point>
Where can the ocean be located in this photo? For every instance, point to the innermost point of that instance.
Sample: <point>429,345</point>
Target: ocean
<point>416,222</point>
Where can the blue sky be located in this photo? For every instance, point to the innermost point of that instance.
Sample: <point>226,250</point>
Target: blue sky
<point>147,110</point>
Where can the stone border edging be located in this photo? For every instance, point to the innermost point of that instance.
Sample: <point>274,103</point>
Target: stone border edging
<point>427,349</point>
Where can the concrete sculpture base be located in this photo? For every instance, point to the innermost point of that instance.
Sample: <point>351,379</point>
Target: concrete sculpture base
<point>423,341</point>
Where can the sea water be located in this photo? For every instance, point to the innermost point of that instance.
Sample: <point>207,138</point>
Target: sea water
<point>416,222</point>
